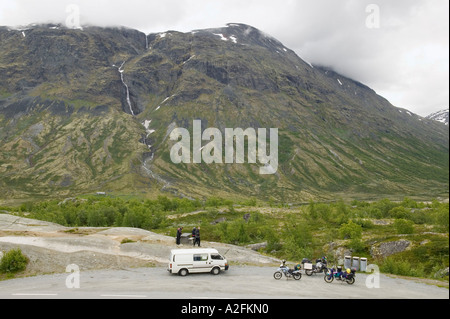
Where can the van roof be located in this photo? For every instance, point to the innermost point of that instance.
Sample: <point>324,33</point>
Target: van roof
<point>194,251</point>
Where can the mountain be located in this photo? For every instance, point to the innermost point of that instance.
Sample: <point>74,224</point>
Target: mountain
<point>92,110</point>
<point>440,116</point>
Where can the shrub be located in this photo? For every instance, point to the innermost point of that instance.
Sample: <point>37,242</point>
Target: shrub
<point>317,210</point>
<point>351,230</point>
<point>357,246</point>
<point>13,261</point>
<point>399,212</point>
<point>404,226</point>
<point>383,207</point>
<point>401,267</point>
<point>273,242</point>
<point>298,240</point>
<point>408,202</point>
<point>442,217</point>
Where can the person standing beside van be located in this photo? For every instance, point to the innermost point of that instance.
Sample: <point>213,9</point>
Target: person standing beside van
<point>197,236</point>
<point>179,232</point>
<point>193,235</point>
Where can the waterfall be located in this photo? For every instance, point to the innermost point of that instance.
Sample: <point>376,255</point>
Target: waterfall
<point>126,86</point>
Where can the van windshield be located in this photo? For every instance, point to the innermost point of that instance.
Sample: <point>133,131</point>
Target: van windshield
<point>216,257</point>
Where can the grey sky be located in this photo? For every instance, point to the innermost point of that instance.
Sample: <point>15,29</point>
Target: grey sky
<point>405,58</point>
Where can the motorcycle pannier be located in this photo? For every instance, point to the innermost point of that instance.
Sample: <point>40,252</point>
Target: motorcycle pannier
<point>308,266</point>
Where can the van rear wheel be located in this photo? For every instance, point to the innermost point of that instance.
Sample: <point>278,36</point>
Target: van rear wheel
<point>183,272</point>
<point>215,271</point>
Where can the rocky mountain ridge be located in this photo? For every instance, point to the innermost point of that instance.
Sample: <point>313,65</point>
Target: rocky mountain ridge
<point>91,110</point>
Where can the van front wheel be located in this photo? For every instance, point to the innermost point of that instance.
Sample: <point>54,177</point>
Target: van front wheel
<point>215,271</point>
<point>183,272</point>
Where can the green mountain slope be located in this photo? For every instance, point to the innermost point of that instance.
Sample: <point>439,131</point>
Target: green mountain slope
<point>92,110</point>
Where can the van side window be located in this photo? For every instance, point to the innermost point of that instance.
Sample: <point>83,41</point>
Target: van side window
<point>202,257</point>
<point>216,257</point>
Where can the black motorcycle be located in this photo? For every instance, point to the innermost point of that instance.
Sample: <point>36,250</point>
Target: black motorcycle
<point>318,268</point>
<point>347,276</point>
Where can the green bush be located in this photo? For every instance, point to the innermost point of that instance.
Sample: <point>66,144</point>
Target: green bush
<point>383,207</point>
<point>319,210</point>
<point>350,231</point>
<point>13,261</point>
<point>234,232</point>
<point>298,240</point>
<point>403,226</point>
<point>401,267</point>
<point>273,241</point>
<point>357,245</point>
<point>442,217</point>
<point>399,212</point>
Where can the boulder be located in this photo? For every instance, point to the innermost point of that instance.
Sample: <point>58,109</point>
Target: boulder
<point>389,248</point>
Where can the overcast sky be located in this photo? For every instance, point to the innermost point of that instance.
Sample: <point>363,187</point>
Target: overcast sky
<point>399,48</point>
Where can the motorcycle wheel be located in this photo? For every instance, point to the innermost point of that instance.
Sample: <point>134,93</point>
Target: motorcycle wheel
<point>297,276</point>
<point>309,272</point>
<point>328,278</point>
<point>277,275</point>
<point>351,281</point>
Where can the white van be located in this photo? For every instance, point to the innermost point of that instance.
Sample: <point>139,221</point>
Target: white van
<point>185,261</point>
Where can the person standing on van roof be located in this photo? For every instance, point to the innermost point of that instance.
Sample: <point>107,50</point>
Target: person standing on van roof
<point>197,236</point>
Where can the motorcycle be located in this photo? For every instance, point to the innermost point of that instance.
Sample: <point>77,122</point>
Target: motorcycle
<point>347,276</point>
<point>289,273</point>
<point>318,268</point>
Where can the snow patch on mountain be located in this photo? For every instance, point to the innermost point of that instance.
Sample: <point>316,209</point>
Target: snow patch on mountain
<point>146,124</point>
<point>440,116</point>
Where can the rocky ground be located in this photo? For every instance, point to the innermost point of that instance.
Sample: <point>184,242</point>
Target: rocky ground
<point>51,247</point>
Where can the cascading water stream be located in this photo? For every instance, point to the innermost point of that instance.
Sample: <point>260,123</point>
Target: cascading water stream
<point>126,86</point>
